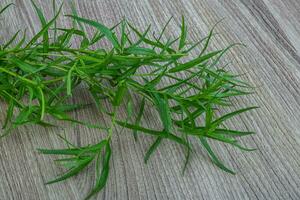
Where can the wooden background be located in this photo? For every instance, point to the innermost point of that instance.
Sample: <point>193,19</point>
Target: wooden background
<point>271,61</point>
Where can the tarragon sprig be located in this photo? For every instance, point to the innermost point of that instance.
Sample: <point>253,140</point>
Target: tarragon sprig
<point>38,78</point>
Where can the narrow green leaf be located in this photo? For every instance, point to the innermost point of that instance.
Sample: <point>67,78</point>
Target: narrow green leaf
<point>194,62</point>
<point>164,111</point>
<point>5,7</point>
<point>138,128</point>
<point>213,157</point>
<point>69,79</point>
<point>23,116</point>
<point>232,132</point>
<point>122,88</point>
<point>73,171</point>
<point>232,114</point>
<point>99,35</point>
<point>123,34</point>
<point>43,23</point>
<point>42,102</point>
<point>183,34</point>
<point>74,13</point>
<point>187,157</point>
<point>106,31</point>
<point>208,38</point>
<point>141,37</point>
<point>140,51</point>
<point>55,24</point>
<point>60,151</point>
<point>21,42</point>
<point>152,148</point>
<point>43,30</point>
<point>11,40</point>
<point>9,113</point>
<point>23,65</point>
<point>102,179</point>
<point>129,109</point>
<point>71,107</point>
<point>139,117</point>
<point>164,28</point>
<point>148,41</point>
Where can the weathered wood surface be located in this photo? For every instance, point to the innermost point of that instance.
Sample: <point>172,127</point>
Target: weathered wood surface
<point>271,61</point>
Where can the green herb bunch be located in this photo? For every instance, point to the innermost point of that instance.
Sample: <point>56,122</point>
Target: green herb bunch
<point>38,77</point>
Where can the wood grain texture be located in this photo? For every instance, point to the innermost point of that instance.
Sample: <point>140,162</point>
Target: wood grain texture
<point>271,61</point>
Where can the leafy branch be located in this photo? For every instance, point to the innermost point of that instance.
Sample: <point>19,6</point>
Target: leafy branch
<point>38,78</point>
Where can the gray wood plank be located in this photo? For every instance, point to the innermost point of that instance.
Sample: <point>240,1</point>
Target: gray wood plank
<point>271,31</point>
